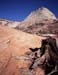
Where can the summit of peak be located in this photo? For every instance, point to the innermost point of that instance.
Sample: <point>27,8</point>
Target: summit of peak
<point>39,15</point>
<point>43,13</point>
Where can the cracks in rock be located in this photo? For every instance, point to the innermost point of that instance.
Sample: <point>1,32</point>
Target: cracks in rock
<point>46,57</point>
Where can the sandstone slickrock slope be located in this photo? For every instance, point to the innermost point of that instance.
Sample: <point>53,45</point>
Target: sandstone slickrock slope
<point>13,48</point>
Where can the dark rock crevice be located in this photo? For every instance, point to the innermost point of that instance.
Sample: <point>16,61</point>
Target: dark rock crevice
<point>48,57</point>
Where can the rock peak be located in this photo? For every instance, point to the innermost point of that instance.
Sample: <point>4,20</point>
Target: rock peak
<point>38,16</point>
<point>44,13</point>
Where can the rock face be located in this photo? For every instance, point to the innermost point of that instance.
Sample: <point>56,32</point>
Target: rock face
<point>14,45</point>
<point>26,54</point>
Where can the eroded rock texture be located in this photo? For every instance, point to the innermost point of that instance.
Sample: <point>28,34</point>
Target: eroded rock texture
<point>26,54</point>
<point>15,54</point>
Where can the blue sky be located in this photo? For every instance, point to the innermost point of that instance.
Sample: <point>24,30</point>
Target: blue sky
<point>20,9</point>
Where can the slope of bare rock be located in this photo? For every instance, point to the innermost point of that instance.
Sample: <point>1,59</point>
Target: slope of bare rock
<point>14,45</point>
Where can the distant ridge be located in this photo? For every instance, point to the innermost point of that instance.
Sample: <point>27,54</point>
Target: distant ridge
<point>9,23</point>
